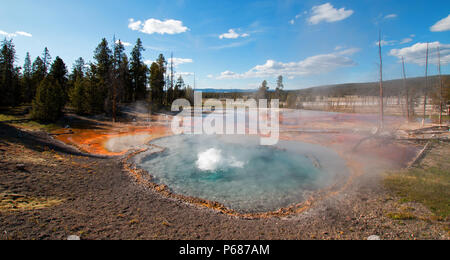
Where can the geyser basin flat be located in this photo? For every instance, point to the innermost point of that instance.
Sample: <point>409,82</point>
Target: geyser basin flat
<point>239,173</point>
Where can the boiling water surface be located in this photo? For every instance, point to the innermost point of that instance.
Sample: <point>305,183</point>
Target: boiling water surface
<point>239,173</point>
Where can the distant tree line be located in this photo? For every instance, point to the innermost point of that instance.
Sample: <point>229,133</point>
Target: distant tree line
<point>263,92</point>
<point>90,88</point>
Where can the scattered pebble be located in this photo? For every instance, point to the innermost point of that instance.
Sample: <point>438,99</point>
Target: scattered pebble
<point>373,238</point>
<point>73,238</point>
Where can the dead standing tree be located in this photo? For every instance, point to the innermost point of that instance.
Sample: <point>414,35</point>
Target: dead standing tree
<point>426,88</point>
<point>381,126</point>
<point>440,85</point>
<point>405,86</point>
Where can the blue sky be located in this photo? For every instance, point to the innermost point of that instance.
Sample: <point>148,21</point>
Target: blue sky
<point>237,44</point>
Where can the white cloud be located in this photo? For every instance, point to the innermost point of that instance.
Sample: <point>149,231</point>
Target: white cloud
<point>318,64</point>
<point>442,26</point>
<point>232,34</point>
<point>327,13</point>
<point>18,33</point>
<point>152,26</point>
<point>210,76</point>
<point>417,53</point>
<point>391,16</point>
<point>126,44</point>
<point>292,21</point>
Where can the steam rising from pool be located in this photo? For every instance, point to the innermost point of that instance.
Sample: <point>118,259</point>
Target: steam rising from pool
<point>212,159</point>
<point>239,173</point>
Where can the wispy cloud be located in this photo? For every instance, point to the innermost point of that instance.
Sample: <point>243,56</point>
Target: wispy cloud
<point>298,16</point>
<point>385,43</point>
<point>406,40</point>
<point>442,26</point>
<point>18,33</point>
<point>152,26</point>
<point>391,16</point>
<point>327,13</point>
<point>231,45</point>
<point>232,34</point>
<point>314,65</point>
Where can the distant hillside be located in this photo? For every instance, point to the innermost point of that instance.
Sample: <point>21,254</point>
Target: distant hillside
<point>391,88</point>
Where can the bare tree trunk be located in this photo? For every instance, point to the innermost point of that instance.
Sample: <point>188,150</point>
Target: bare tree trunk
<point>408,116</point>
<point>114,104</point>
<point>440,86</point>
<point>381,86</point>
<point>426,89</point>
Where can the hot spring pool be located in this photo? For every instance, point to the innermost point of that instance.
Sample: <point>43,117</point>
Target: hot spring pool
<point>239,173</point>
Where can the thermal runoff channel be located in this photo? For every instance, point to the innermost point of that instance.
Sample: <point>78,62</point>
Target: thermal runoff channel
<point>239,173</point>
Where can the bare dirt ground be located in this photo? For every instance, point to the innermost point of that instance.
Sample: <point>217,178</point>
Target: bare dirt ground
<point>49,190</point>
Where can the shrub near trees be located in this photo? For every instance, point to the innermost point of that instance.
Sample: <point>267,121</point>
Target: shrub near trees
<point>49,101</point>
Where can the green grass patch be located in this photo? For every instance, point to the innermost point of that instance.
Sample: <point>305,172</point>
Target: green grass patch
<point>428,184</point>
<point>401,216</point>
<point>10,115</point>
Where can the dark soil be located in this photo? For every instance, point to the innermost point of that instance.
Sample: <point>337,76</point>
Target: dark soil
<point>101,201</point>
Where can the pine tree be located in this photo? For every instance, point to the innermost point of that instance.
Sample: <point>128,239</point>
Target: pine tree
<point>58,72</point>
<point>155,83</point>
<point>37,75</point>
<point>93,92</point>
<point>125,75</point>
<point>170,95</point>
<point>9,75</point>
<point>138,73</point>
<point>117,81</point>
<point>179,86</point>
<point>161,83</point>
<point>263,90</point>
<point>102,73</point>
<point>77,95</point>
<point>280,87</point>
<point>78,71</point>
<point>27,83</point>
<point>46,59</point>
<point>48,103</point>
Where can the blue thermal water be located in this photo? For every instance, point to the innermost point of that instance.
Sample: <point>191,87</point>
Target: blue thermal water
<point>239,173</point>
